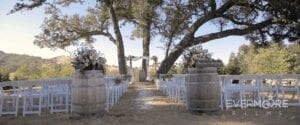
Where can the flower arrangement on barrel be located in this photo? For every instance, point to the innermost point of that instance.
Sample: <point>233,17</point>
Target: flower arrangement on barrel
<point>88,85</point>
<point>87,58</point>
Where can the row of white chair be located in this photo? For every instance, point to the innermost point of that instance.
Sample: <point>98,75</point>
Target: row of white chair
<point>53,95</point>
<point>114,91</point>
<point>174,88</point>
<point>239,87</point>
<point>260,87</point>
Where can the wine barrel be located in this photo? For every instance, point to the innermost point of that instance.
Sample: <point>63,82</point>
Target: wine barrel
<point>88,93</point>
<point>203,89</point>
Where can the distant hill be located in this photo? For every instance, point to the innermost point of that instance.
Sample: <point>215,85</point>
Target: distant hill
<point>33,67</point>
<point>14,61</point>
<point>61,60</point>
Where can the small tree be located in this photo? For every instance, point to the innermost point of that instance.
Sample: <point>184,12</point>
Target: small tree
<point>272,60</point>
<point>233,67</point>
<point>155,62</point>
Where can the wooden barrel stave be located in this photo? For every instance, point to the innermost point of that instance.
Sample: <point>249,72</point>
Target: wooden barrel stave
<point>203,89</point>
<point>88,93</point>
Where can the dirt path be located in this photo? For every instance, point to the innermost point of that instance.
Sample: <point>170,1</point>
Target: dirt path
<point>144,105</point>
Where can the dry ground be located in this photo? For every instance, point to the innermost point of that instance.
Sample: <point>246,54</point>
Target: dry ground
<point>144,105</point>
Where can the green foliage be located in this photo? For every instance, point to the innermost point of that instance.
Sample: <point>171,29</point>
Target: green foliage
<point>177,69</point>
<point>173,70</point>
<point>272,59</point>
<point>55,71</point>
<point>45,71</point>
<point>4,74</point>
<point>66,70</point>
<point>221,70</point>
<point>27,72</point>
<point>24,67</point>
<point>233,66</point>
<point>294,49</point>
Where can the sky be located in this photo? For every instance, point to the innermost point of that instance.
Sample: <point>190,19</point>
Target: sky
<point>17,33</point>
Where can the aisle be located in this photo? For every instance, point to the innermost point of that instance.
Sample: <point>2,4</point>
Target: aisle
<point>143,104</point>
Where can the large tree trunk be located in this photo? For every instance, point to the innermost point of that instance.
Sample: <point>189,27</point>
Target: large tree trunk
<point>168,47</point>
<point>169,61</point>
<point>146,45</point>
<point>119,40</point>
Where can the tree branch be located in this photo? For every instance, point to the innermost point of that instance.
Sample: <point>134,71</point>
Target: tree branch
<point>213,5</point>
<point>97,32</point>
<point>20,6</point>
<point>235,21</point>
<point>236,31</point>
<point>212,14</point>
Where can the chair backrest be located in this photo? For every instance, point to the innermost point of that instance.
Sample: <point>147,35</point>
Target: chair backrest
<point>291,80</point>
<point>58,85</point>
<point>8,88</point>
<point>179,78</point>
<point>110,81</point>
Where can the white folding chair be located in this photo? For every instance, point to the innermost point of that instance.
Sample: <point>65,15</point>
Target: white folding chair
<point>59,91</point>
<point>250,87</point>
<point>110,95</point>
<point>290,85</point>
<point>232,90</point>
<point>9,99</point>
<point>32,93</point>
<point>269,86</point>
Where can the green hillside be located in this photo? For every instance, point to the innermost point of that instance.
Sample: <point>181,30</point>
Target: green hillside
<point>25,67</point>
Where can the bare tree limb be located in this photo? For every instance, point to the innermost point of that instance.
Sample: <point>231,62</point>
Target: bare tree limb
<point>93,33</point>
<point>210,15</point>
<point>236,31</point>
<point>213,5</point>
<point>230,18</point>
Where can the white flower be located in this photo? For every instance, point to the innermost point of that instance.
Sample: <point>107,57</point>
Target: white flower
<point>86,57</point>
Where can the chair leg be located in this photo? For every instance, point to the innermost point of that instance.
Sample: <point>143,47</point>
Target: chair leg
<point>67,103</point>
<point>49,101</point>
<point>24,105</point>
<point>51,104</point>
<point>70,103</point>
<point>226,97</point>
<point>40,105</point>
<point>1,105</point>
<point>241,96</point>
<point>17,106</point>
<point>298,95</point>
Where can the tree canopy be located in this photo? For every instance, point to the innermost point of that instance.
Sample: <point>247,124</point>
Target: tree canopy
<point>177,21</point>
<point>254,18</point>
